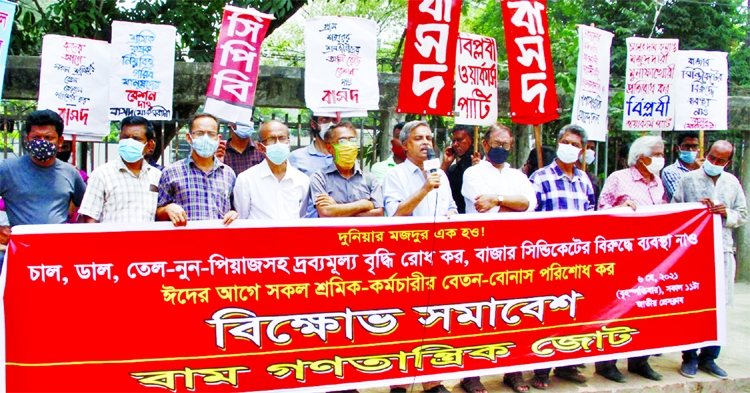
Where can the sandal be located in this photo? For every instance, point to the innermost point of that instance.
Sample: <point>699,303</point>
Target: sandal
<point>570,373</point>
<point>515,381</point>
<point>540,382</point>
<point>472,385</point>
<point>437,389</point>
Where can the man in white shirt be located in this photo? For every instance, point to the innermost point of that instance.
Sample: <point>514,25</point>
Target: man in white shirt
<point>272,189</point>
<point>492,185</point>
<point>409,190</point>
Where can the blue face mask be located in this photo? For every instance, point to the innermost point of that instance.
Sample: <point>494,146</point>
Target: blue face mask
<point>243,132</point>
<point>205,146</point>
<point>498,155</point>
<point>688,157</point>
<point>711,169</point>
<point>277,153</point>
<point>130,150</point>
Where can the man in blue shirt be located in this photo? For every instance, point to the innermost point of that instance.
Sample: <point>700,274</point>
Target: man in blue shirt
<point>687,147</point>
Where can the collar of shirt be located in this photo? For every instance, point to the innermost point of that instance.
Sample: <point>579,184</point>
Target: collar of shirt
<point>489,165</point>
<point>638,177</point>
<point>122,167</point>
<point>333,168</point>
<point>390,161</point>
<point>250,146</point>
<point>314,152</point>
<point>265,170</point>
<point>680,166</point>
<point>410,166</point>
<point>190,163</point>
<point>559,174</point>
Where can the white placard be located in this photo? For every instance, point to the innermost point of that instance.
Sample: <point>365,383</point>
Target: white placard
<point>476,80</point>
<point>73,82</point>
<point>701,90</point>
<point>142,77</point>
<point>649,84</point>
<point>591,100</point>
<point>340,69</point>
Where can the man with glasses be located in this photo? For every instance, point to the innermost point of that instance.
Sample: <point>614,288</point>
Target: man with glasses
<point>198,187</point>
<point>342,189</point>
<point>687,147</point>
<point>272,189</point>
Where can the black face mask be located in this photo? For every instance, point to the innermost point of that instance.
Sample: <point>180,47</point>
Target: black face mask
<point>63,155</point>
<point>498,155</point>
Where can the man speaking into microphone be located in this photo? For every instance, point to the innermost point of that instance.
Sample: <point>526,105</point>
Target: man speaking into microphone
<point>418,187</point>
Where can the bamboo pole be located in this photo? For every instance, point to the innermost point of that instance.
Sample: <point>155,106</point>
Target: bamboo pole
<point>702,142</point>
<point>538,143</point>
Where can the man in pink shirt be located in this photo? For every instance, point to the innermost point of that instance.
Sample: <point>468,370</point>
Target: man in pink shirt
<point>637,185</point>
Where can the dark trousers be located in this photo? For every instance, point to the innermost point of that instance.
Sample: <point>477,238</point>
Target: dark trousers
<point>707,354</point>
<point>633,363</point>
<point>545,371</point>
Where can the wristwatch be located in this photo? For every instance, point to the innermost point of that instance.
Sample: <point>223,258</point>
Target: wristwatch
<point>500,200</point>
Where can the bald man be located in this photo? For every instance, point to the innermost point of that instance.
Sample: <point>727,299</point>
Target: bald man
<point>272,189</point>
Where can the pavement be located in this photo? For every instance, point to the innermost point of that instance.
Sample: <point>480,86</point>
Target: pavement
<point>734,359</point>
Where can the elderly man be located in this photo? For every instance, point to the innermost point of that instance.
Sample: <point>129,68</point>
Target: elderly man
<point>459,157</point>
<point>272,189</point>
<point>408,189</point>
<point>37,188</point>
<point>198,187</point>
<point>638,185</point>
<point>492,186</point>
<point>125,189</point>
<point>241,151</point>
<point>722,193</point>
<point>562,186</point>
<point>687,145</point>
<point>343,189</point>
<point>398,155</point>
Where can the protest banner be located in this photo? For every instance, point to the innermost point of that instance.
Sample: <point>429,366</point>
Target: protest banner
<point>533,99</point>
<point>74,81</point>
<point>429,58</point>
<point>476,80</point>
<point>7,13</point>
<point>649,84</point>
<point>142,71</point>
<point>341,74</point>
<point>367,302</point>
<point>591,100</point>
<point>231,91</point>
<point>701,91</point>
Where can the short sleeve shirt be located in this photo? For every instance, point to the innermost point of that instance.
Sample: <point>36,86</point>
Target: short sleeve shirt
<point>358,187</point>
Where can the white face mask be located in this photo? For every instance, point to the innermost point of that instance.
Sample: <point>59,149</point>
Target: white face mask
<point>657,163</point>
<point>567,153</point>
<point>590,157</point>
<point>323,128</point>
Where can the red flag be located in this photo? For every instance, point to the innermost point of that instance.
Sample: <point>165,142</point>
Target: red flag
<point>429,57</point>
<point>533,99</point>
<point>235,68</point>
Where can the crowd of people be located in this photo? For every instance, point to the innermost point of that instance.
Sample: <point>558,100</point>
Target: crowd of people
<point>264,179</point>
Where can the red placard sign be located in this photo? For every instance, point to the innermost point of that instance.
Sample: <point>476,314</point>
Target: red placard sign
<point>533,99</point>
<point>429,57</point>
<point>333,304</point>
<point>235,68</point>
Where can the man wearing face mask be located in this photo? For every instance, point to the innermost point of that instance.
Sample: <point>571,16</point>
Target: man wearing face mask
<point>126,188</point>
<point>198,187</point>
<point>343,189</point>
<point>492,185</point>
<point>63,154</point>
<point>241,152</point>
<point>638,185</point>
<point>37,188</point>
<point>272,189</point>
<point>562,186</point>
<point>398,155</point>
<point>722,194</point>
<point>315,156</point>
<point>687,146</point>
<point>590,158</point>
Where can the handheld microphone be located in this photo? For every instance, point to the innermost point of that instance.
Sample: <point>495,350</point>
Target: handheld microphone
<point>433,163</point>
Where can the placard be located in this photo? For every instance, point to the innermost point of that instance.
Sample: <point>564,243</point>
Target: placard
<point>7,13</point>
<point>701,90</point>
<point>476,80</point>
<point>591,101</point>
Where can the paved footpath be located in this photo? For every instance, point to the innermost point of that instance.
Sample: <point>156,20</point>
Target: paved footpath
<point>734,359</point>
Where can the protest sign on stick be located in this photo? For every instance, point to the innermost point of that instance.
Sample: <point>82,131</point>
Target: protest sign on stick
<point>429,58</point>
<point>7,13</point>
<point>142,73</point>
<point>701,91</point>
<point>231,91</point>
<point>591,100</point>
<point>74,82</point>
<point>341,76</point>
<point>649,84</point>
<point>476,80</point>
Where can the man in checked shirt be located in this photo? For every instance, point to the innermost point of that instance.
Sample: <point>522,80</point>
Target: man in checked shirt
<point>198,187</point>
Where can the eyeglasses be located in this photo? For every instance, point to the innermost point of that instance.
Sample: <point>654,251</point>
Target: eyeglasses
<point>343,141</point>
<point>200,133</point>
<point>686,147</point>
<point>496,144</point>
<point>278,139</point>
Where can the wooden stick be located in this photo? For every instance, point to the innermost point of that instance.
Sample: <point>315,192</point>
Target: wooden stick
<point>476,138</point>
<point>538,142</point>
<point>73,149</point>
<point>702,142</point>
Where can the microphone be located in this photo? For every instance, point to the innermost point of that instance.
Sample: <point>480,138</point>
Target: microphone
<point>433,163</point>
